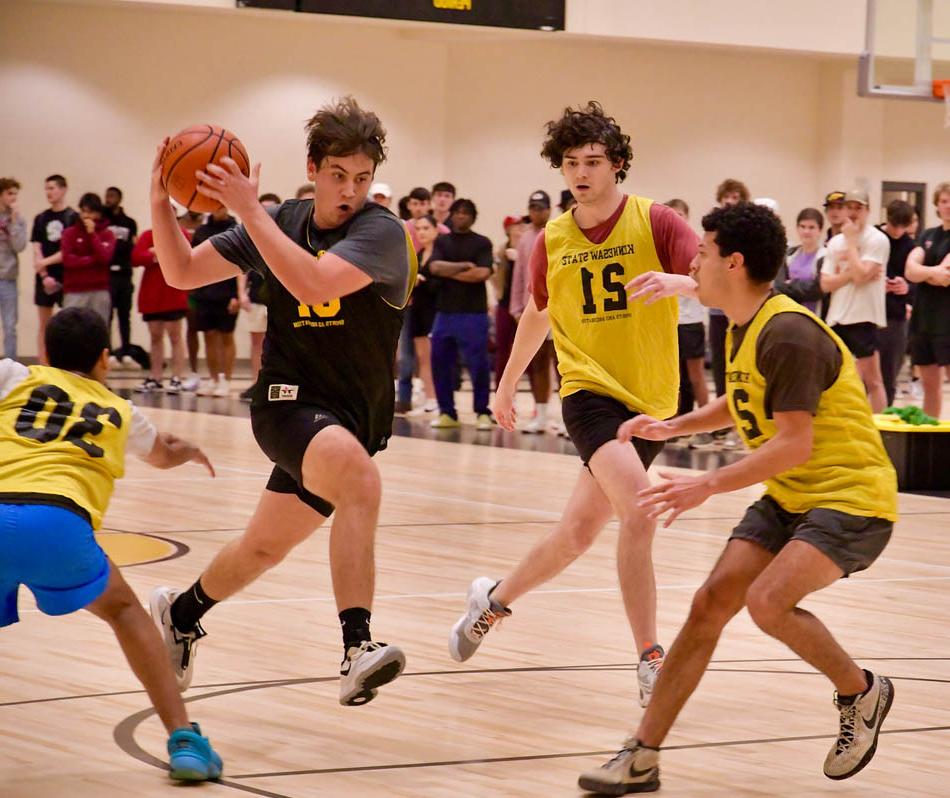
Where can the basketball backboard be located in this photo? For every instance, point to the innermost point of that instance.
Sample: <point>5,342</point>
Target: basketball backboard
<point>907,50</point>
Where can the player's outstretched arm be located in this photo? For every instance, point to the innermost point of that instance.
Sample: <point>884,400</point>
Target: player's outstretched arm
<point>170,451</point>
<point>708,418</point>
<point>654,286</point>
<point>182,266</point>
<point>532,330</point>
<point>791,446</point>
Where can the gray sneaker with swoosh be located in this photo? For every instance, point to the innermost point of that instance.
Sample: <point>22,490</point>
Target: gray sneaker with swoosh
<point>860,724</point>
<point>635,768</point>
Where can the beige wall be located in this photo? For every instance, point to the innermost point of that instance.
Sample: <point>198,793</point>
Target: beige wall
<point>464,106</point>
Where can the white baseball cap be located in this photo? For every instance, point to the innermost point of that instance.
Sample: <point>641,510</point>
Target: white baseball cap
<point>380,188</point>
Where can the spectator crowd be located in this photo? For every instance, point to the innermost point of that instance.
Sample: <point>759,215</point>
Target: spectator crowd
<point>883,288</point>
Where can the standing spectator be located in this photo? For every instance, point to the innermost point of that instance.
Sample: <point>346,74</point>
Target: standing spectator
<point>12,242</point>
<point>190,221</point>
<point>419,204</point>
<point>567,200</point>
<point>381,194</point>
<point>46,236</point>
<point>731,192</point>
<point>422,313</point>
<point>800,276</point>
<point>929,267</point>
<point>216,309</point>
<point>88,249</point>
<point>250,288</point>
<point>464,259</point>
<point>505,323</point>
<point>125,229</point>
<point>691,337</point>
<point>728,192</point>
<point>403,209</point>
<point>443,195</point>
<point>892,340</point>
<point>162,308</point>
<point>835,211</point>
<point>539,369</point>
<point>853,273</point>
<point>305,192</point>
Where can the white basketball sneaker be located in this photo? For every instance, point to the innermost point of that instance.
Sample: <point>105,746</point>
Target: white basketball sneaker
<point>648,671</point>
<point>860,724</point>
<point>367,667</point>
<point>181,646</point>
<point>482,614</point>
<point>635,768</point>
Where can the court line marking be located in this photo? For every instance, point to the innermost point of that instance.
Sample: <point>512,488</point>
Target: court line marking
<point>124,736</point>
<point>606,666</point>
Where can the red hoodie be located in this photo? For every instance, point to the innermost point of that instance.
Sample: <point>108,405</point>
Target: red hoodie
<point>155,295</point>
<point>86,257</point>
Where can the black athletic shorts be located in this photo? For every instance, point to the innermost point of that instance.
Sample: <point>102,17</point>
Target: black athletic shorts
<point>164,315</point>
<point>214,316</point>
<point>593,420</point>
<point>861,338</point>
<point>44,300</point>
<point>283,431</point>
<point>852,542</point>
<point>692,340</point>
<point>930,350</point>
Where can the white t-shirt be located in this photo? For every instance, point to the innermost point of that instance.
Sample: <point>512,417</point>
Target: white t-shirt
<point>142,433</point>
<point>691,310</point>
<point>853,303</point>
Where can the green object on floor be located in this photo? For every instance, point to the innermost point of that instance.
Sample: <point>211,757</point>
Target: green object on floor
<point>912,415</point>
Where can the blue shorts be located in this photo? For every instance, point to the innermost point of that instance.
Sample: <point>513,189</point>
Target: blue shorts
<point>53,552</point>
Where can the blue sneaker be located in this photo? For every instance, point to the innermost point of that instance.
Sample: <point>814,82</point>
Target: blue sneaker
<point>191,757</point>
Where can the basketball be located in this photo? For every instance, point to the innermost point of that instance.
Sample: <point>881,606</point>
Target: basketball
<point>192,150</point>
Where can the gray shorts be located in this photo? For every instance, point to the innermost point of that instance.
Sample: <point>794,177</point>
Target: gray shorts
<point>99,301</point>
<point>852,542</point>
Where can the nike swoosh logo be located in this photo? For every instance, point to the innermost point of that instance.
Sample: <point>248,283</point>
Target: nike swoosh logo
<point>635,774</point>
<point>871,722</point>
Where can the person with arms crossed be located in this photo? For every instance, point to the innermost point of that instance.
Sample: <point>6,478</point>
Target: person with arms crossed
<point>615,361</point>
<point>829,506</point>
<point>853,273</point>
<point>928,265</point>
<point>63,439</point>
<point>337,270</point>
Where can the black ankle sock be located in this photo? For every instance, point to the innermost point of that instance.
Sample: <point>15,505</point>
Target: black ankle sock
<point>850,699</point>
<point>355,623</point>
<point>190,606</point>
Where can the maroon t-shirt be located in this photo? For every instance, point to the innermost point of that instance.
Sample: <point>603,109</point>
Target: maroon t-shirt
<point>676,245</point>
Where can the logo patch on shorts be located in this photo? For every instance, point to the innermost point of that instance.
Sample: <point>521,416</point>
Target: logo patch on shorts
<point>282,393</point>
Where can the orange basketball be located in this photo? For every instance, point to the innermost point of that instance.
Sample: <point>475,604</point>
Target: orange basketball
<point>191,150</point>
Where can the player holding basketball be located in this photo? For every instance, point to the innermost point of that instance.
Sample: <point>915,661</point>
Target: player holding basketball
<point>615,360</point>
<point>63,438</point>
<point>337,272</point>
<point>829,507</point>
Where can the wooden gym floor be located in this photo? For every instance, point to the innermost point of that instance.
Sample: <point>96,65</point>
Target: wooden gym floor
<point>552,692</point>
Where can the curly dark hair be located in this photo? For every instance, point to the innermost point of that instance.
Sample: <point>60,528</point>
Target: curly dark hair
<point>343,128</point>
<point>588,125</point>
<point>732,186</point>
<point>755,232</point>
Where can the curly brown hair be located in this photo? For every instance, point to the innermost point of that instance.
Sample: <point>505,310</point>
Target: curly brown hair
<point>732,186</point>
<point>589,125</point>
<point>7,183</point>
<point>343,128</point>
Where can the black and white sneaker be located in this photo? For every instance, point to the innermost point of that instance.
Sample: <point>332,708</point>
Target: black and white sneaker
<point>635,768</point>
<point>181,646</point>
<point>860,724</point>
<point>367,667</point>
<point>148,386</point>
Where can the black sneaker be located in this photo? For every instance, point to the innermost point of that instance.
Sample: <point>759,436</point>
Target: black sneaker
<point>246,396</point>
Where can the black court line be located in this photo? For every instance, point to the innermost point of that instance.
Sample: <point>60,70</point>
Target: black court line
<point>124,733</point>
<point>610,666</point>
<point>566,755</point>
